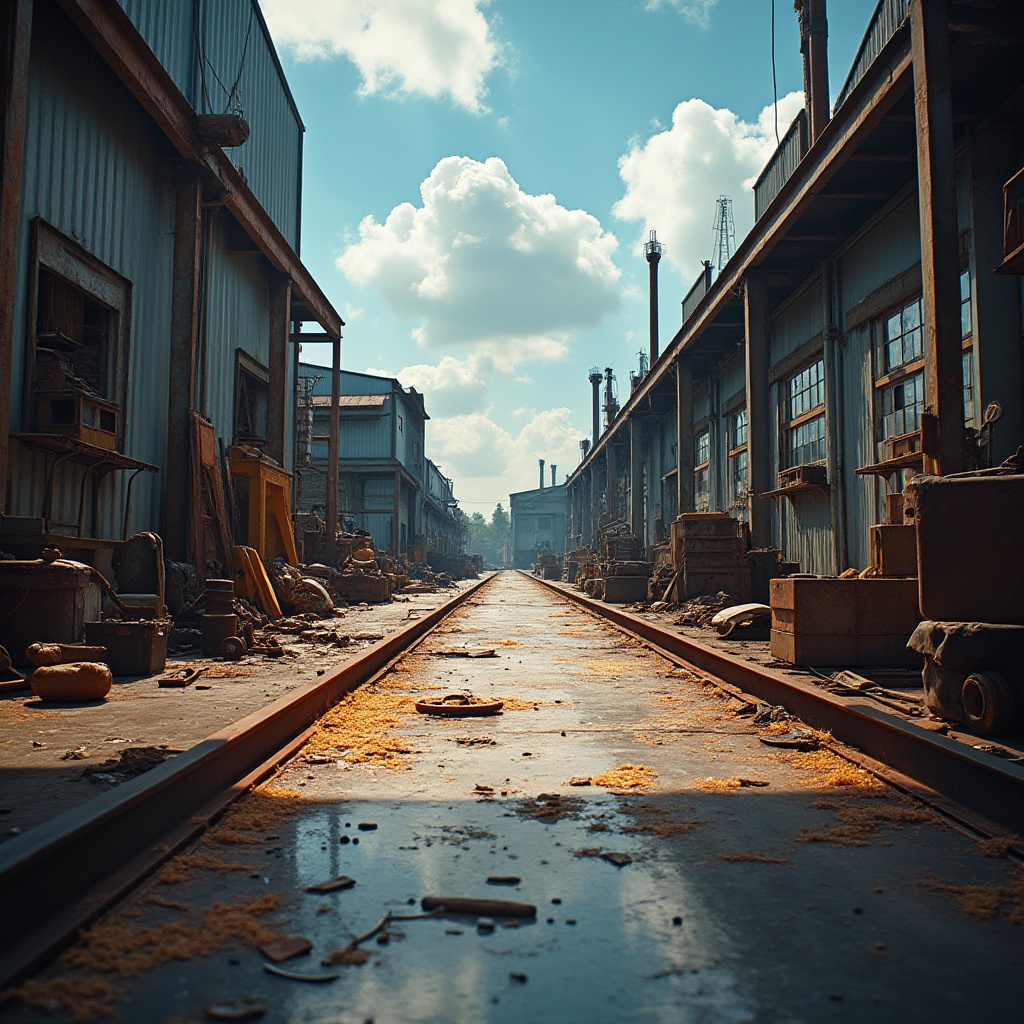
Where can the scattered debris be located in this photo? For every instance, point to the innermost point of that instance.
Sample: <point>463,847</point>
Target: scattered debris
<point>295,976</point>
<point>332,884</point>
<point>459,705</point>
<point>180,677</point>
<point>285,949</point>
<point>751,858</point>
<point>478,907</point>
<point>78,754</point>
<point>795,739</point>
<point>581,780</point>
<point>627,776</point>
<point>503,880</point>
<point>620,860</point>
<point>132,761</point>
<point>550,807</point>
<point>475,741</point>
<point>235,1009</point>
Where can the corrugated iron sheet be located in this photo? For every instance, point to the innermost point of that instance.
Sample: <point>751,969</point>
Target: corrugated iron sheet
<point>780,168</point>
<point>886,251</point>
<point>169,31</point>
<point>796,323</point>
<point>90,171</point>
<point>888,16</point>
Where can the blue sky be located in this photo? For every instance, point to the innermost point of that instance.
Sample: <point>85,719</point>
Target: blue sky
<point>479,175</point>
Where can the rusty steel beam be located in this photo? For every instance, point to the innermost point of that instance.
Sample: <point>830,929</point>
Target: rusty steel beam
<point>940,252</point>
<point>59,876</point>
<point>759,427</point>
<point>333,455</point>
<point>111,33</point>
<point>277,396</point>
<point>188,220</point>
<point>15,38</point>
<point>982,782</point>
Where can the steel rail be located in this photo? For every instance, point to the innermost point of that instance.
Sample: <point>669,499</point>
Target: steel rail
<point>61,875</point>
<point>985,784</point>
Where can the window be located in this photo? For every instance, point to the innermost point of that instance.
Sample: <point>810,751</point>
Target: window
<point>900,371</point>
<point>803,425</point>
<point>702,471</point>
<point>252,395</point>
<point>401,424</point>
<point>967,336</point>
<point>76,380</point>
<point>544,523</point>
<point>738,462</point>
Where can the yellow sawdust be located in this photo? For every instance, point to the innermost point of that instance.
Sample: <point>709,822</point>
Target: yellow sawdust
<point>362,728</point>
<point>184,867</point>
<point>516,704</point>
<point>510,643</point>
<point>997,846</point>
<point>734,782</point>
<point>86,997</point>
<point>984,902</point>
<point>627,776</point>
<point>861,814</point>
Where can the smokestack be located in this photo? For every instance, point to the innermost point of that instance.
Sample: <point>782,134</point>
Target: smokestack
<point>541,461</point>
<point>814,49</point>
<point>595,383</point>
<point>611,406</point>
<point>584,448</point>
<point>653,250</point>
<point>554,470</point>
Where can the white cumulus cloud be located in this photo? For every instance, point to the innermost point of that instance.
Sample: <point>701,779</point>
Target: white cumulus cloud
<point>697,12</point>
<point>432,48</point>
<point>450,387</point>
<point>673,177</point>
<point>488,462</point>
<point>483,265</point>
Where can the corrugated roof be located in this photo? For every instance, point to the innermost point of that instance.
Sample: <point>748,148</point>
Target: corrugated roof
<point>350,401</point>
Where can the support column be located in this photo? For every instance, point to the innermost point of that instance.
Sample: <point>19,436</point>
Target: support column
<point>611,482</point>
<point>684,435</point>
<point>940,254</point>
<point>277,400</point>
<point>181,398</point>
<point>758,425</point>
<point>333,454</point>
<point>636,494</point>
<point>15,37</point>
<point>396,515</point>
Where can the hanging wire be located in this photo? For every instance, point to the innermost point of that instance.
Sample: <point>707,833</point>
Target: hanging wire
<point>774,84</point>
<point>233,93</point>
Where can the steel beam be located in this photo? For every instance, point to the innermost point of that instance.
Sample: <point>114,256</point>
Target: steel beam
<point>684,434</point>
<point>940,252</point>
<point>277,397</point>
<point>181,400</point>
<point>333,455</point>
<point>15,38</point>
<point>759,460</point>
<point>636,469</point>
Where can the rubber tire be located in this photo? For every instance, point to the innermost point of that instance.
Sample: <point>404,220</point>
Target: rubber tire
<point>991,704</point>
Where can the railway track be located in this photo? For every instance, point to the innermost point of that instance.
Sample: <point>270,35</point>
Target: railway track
<point>673,915</point>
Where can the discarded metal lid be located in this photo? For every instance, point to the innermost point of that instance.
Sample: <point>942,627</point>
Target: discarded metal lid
<point>459,705</point>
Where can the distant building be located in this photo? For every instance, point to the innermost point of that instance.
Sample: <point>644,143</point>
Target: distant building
<point>538,521</point>
<point>386,485</point>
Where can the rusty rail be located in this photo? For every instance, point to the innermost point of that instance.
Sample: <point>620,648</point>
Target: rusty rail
<point>58,877</point>
<point>983,783</point>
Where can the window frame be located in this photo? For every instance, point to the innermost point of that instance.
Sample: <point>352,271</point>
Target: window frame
<point>56,254</point>
<point>789,423</point>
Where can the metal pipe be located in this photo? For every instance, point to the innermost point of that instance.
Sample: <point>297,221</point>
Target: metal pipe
<point>333,454</point>
<point>652,251</point>
<point>541,463</point>
<point>595,384</point>
<point>554,471</point>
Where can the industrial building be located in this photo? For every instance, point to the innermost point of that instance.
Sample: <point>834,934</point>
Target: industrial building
<point>869,325</point>
<point>386,484</point>
<point>152,158</point>
<point>537,521</point>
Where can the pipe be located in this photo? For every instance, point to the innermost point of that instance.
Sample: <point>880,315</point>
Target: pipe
<point>554,470</point>
<point>595,385</point>
<point>814,48</point>
<point>652,251</point>
<point>541,462</point>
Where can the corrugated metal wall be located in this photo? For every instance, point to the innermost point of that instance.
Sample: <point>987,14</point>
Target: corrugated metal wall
<point>888,16</point>
<point>796,322</point>
<point>885,252</point>
<point>235,47</point>
<point>783,163</point>
<point>91,172</point>
<point>237,316</point>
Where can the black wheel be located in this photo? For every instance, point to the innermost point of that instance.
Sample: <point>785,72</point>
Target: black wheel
<point>991,703</point>
<point>232,647</point>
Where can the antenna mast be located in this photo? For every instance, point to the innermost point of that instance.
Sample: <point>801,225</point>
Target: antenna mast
<point>724,244</point>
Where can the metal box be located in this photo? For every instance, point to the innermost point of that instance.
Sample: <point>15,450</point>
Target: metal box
<point>78,415</point>
<point>45,602</point>
<point>133,648</point>
<point>970,547</point>
<point>894,550</point>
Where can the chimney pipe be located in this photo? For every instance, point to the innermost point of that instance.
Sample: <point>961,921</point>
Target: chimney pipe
<point>541,461</point>
<point>584,448</point>
<point>554,470</point>
<point>652,251</point>
<point>814,49</point>
<point>595,384</point>
<point>611,406</point>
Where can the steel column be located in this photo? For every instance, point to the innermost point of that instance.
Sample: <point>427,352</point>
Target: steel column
<point>277,399</point>
<point>636,496</point>
<point>611,482</point>
<point>396,515</point>
<point>181,400</point>
<point>15,37</point>
<point>684,435</point>
<point>940,253</point>
<point>333,454</point>
<point>758,425</point>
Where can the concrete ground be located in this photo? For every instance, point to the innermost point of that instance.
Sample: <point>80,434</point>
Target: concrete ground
<point>45,747</point>
<point>698,876</point>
